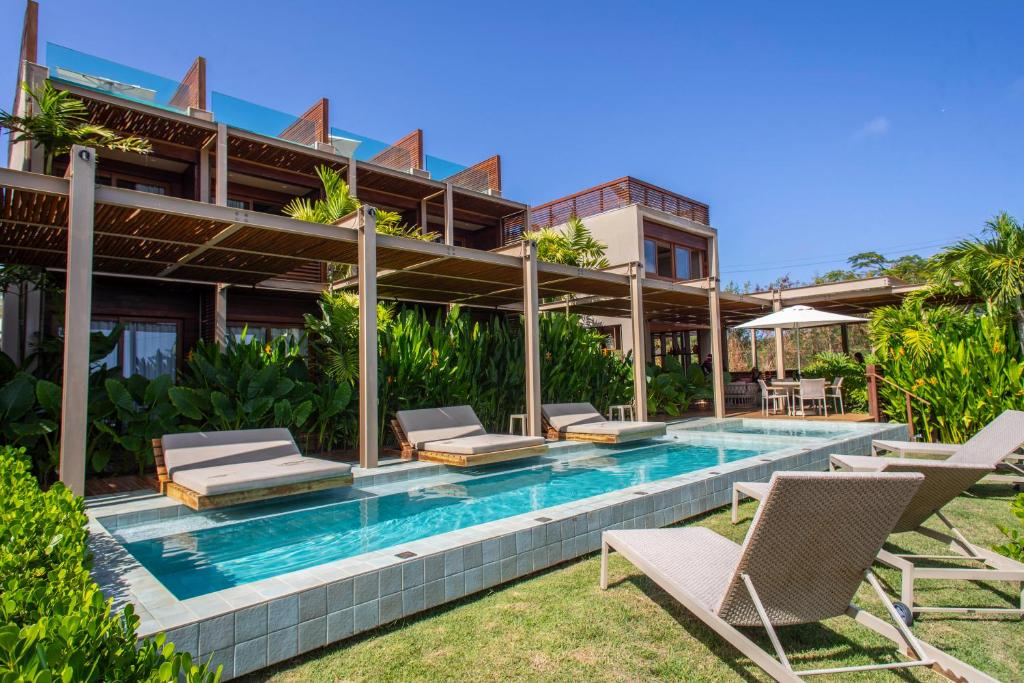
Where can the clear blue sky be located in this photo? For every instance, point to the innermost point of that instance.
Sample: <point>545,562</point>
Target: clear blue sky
<point>813,129</point>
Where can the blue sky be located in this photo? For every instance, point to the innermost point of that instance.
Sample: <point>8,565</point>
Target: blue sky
<point>814,130</point>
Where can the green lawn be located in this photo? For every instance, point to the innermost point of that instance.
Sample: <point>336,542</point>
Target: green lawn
<point>558,626</point>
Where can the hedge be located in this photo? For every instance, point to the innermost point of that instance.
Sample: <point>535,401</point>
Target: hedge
<point>56,624</point>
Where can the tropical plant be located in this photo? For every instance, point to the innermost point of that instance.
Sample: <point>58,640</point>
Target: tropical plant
<point>990,267</point>
<point>965,363</point>
<point>59,121</point>
<point>142,411</point>
<point>334,334</point>
<point>671,389</point>
<point>574,245</point>
<point>830,365</point>
<point>1014,545</point>
<point>56,624</point>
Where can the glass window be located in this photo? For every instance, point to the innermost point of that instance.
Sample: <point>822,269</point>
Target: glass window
<point>110,360</point>
<point>682,263</point>
<point>295,334</point>
<point>664,260</point>
<point>650,256</point>
<point>150,349</point>
<point>141,187</point>
<point>696,264</point>
<point>238,203</point>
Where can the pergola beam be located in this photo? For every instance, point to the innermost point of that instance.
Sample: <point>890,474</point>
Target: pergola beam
<point>368,436</point>
<point>77,319</point>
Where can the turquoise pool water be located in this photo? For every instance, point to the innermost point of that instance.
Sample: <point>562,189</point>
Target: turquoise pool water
<point>788,428</point>
<point>201,561</point>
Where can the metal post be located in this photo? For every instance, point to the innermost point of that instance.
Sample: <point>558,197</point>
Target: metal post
<point>715,312</point>
<point>780,360</point>
<point>844,335</point>
<point>220,315</point>
<point>449,214</point>
<point>221,193</point>
<point>753,349</point>
<point>636,300</point>
<point>367,247</point>
<point>77,319</point>
<point>531,325</point>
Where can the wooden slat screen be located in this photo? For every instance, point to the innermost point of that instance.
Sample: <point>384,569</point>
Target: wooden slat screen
<point>313,126</point>
<point>404,155</point>
<point>192,90</point>
<point>611,195</point>
<point>482,177</point>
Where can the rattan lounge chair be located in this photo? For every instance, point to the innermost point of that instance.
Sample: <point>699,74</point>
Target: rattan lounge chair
<point>996,444</point>
<point>207,470</point>
<point>943,482</point>
<point>455,436</point>
<point>782,575</point>
<point>582,422</point>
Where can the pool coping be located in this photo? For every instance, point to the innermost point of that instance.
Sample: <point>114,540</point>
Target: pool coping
<point>247,627</point>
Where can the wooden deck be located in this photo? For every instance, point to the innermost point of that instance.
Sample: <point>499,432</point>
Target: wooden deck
<point>756,414</point>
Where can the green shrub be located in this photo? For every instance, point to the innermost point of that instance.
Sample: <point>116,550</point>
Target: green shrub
<point>56,624</point>
<point>1014,546</point>
<point>830,365</point>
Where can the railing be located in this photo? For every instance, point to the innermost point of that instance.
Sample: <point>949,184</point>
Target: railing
<point>612,195</point>
<point>875,407</point>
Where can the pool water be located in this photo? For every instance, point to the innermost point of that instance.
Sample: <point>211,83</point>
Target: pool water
<point>787,428</point>
<point>200,561</point>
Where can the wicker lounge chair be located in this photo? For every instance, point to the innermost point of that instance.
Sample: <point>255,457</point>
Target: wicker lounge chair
<point>582,422</point>
<point>782,575</point>
<point>996,444</point>
<point>455,436</point>
<point>207,470</point>
<point>943,482</point>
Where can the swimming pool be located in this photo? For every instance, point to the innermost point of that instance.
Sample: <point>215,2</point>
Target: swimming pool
<point>269,543</point>
<point>776,428</point>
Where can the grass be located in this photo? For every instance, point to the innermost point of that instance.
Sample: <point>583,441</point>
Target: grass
<point>558,625</point>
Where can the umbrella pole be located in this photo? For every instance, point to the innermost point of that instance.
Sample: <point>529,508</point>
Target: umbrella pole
<point>799,369</point>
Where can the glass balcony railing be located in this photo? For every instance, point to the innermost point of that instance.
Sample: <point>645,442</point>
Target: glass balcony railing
<point>102,75</point>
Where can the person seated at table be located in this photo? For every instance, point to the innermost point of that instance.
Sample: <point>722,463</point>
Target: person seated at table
<point>706,365</point>
<point>755,375</point>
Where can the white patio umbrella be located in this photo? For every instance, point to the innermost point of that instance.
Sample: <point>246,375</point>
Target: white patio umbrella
<point>796,318</point>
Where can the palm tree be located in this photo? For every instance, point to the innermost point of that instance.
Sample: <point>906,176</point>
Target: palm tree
<point>573,246</point>
<point>990,267</point>
<point>60,121</point>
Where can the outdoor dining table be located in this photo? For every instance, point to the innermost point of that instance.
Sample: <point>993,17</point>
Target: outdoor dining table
<point>790,386</point>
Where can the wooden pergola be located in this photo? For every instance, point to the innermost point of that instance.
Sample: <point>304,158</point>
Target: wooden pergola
<point>73,224</point>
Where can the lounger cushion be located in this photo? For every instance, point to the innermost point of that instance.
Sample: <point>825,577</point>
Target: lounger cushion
<point>481,443</point>
<point>695,560</point>
<point>294,469</point>
<point>614,428</point>
<point>562,415</point>
<point>211,463</point>
<point>915,447</point>
<point>439,424</point>
<point>861,463</point>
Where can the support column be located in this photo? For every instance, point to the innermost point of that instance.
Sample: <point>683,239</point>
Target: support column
<point>221,193</point>
<point>220,315</point>
<point>77,319</point>
<point>424,217</point>
<point>449,214</point>
<point>715,311</point>
<point>531,328</point>
<point>367,248</point>
<point>753,349</point>
<point>780,349</point>
<point>204,175</point>
<point>636,300</point>
<point>844,335</point>
<point>352,168</point>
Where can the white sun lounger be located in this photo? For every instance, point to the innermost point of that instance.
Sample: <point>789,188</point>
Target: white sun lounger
<point>943,482</point>
<point>997,444</point>
<point>783,574</point>
<point>582,422</point>
<point>206,470</point>
<point>455,436</point>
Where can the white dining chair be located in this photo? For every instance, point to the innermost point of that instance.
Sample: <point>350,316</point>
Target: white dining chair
<point>773,396</point>
<point>812,390</point>
<point>836,394</point>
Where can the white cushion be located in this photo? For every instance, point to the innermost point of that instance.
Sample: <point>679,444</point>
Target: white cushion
<point>434,424</point>
<point>210,449</point>
<point>481,443</point>
<point>291,469</point>
<point>562,415</point>
<point>615,428</point>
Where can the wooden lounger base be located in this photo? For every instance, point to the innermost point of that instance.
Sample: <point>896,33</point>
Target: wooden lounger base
<point>199,501</point>
<point>460,460</point>
<point>554,434</point>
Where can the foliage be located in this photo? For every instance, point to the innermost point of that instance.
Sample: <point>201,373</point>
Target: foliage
<point>910,268</point>
<point>56,624</point>
<point>575,366</point>
<point>990,267</point>
<point>338,202</point>
<point>334,334</point>
<point>60,120</point>
<point>141,411</point>
<point>830,365</point>
<point>572,246</point>
<point>1014,545</point>
<point>671,389</point>
<point>964,362</point>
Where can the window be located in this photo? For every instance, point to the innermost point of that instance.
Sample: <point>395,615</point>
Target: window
<point>682,257</point>
<point>672,261</point>
<point>146,348</point>
<point>612,336</point>
<point>238,203</point>
<point>265,334</point>
<point>151,188</point>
